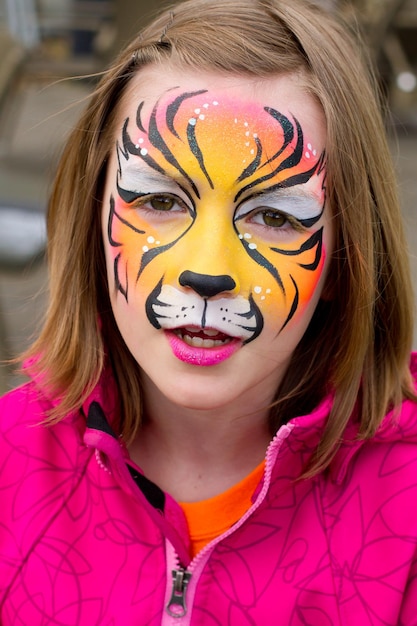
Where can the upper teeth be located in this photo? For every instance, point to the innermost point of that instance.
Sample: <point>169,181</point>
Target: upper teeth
<point>210,332</point>
<point>188,335</point>
<point>199,342</point>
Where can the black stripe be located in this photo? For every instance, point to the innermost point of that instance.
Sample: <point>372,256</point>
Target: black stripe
<point>157,141</point>
<point>172,109</point>
<point>196,151</point>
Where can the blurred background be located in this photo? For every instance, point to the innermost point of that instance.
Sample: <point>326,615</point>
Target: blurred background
<point>44,43</point>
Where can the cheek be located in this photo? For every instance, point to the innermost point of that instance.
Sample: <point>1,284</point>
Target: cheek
<point>127,231</point>
<point>131,243</point>
<point>296,285</point>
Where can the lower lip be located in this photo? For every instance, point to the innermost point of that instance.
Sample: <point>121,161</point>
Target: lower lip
<point>201,356</point>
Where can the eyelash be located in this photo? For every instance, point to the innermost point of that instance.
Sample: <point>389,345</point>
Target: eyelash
<point>290,223</point>
<point>145,204</point>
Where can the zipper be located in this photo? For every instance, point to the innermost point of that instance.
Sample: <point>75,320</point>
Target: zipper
<point>176,606</point>
<point>184,579</point>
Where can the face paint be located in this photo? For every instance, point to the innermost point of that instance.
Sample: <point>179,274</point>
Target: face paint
<point>180,171</point>
<point>216,231</point>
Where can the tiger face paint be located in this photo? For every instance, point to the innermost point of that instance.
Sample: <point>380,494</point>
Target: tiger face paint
<point>215,221</point>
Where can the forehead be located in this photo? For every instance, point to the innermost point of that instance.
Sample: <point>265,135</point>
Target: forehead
<point>225,102</point>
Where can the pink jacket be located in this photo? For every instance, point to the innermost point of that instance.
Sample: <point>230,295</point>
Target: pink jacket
<point>86,539</point>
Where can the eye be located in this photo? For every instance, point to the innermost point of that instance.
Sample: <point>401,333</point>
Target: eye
<point>278,214</point>
<point>160,204</point>
<point>267,217</point>
<point>164,203</point>
<point>267,223</point>
<point>272,219</point>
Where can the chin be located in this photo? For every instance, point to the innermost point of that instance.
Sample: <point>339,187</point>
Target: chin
<point>206,400</point>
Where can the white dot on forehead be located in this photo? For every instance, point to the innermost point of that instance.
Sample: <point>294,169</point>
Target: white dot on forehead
<point>215,103</point>
<point>145,248</point>
<point>309,146</point>
<point>202,117</point>
<point>257,289</point>
<point>252,246</point>
<point>151,239</point>
<point>206,105</point>
<point>247,236</point>
<point>144,152</point>
<point>197,111</point>
<point>307,155</point>
<point>192,121</point>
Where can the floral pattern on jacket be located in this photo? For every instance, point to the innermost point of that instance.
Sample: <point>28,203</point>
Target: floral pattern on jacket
<point>86,539</point>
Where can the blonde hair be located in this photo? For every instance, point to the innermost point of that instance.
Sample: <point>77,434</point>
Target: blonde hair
<point>359,340</point>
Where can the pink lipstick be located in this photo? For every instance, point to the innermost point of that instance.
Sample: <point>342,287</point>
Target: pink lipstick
<point>204,348</point>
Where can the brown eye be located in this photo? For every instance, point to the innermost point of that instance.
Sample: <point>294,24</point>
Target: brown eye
<point>162,203</point>
<point>273,219</point>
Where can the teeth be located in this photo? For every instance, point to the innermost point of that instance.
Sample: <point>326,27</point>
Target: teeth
<point>210,332</point>
<point>199,342</point>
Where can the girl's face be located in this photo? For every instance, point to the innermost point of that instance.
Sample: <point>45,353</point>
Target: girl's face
<point>216,231</point>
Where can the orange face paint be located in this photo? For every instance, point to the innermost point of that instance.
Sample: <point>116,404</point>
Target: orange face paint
<point>211,187</point>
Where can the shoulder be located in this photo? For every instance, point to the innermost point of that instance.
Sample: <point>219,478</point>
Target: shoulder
<point>23,432</point>
<point>25,404</point>
<point>39,463</point>
<point>43,481</point>
<point>373,485</point>
<point>389,456</point>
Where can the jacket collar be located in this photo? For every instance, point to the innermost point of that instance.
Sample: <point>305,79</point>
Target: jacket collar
<point>289,456</point>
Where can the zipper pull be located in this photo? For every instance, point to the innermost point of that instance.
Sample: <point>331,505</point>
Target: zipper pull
<point>176,606</point>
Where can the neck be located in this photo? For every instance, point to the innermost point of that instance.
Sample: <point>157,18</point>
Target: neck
<point>196,454</point>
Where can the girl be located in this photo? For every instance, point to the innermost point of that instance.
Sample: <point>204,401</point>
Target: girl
<point>221,424</point>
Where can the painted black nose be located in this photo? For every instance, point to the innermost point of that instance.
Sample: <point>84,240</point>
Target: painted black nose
<point>205,285</point>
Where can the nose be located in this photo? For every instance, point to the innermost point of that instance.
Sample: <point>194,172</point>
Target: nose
<point>206,285</point>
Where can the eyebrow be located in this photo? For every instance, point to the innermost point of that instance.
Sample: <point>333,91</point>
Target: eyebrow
<point>293,194</point>
<point>135,176</point>
<point>147,181</point>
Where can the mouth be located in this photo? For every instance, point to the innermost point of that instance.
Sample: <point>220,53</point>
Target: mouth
<point>202,338</point>
<point>204,347</point>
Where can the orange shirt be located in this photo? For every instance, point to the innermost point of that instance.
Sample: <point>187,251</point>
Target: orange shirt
<point>210,518</point>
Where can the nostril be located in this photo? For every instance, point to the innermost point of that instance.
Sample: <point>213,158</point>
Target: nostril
<point>206,285</point>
